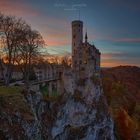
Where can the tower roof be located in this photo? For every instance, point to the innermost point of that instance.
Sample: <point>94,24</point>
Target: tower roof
<point>77,22</point>
<point>86,37</point>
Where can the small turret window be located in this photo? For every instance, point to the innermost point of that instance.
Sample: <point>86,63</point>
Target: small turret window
<point>85,62</point>
<point>83,68</point>
<point>74,36</point>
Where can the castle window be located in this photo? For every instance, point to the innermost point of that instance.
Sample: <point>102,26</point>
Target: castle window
<point>83,68</point>
<point>89,51</point>
<point>92,57</point>
<point>74,36</point>
<point>85,62</point>
<point>80,62</point>
<point>95,62</point>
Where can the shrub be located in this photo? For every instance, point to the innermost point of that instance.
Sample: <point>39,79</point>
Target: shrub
<point>118,87</point>
<point>95,79</point>
<point>44,90</point>
<point>2,101</point>
<point>124,125</point>
<point>77,96</point>
<point>12,80</point>
<point>81,82</point>
<point>54,92</point>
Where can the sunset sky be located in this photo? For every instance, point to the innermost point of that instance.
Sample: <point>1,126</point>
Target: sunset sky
<point>112,25</point>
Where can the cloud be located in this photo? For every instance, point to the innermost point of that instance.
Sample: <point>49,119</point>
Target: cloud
<point>120,55</point>
<point>112,54</point>
<point>55,30</point>
<point>129,4</point>
<point>115,62</point>
<point>111,59</point>
<point>126,39</point>
<point>17,8</point>
<point>117,39</point>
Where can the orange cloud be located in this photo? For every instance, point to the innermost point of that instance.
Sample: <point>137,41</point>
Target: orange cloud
<point>17,8</point>
<point>112,54</point>
<point>56,39</point>
<point>55,31</point>
<point>116,62</point>
<point>110,63</point>
<point>112,59</point>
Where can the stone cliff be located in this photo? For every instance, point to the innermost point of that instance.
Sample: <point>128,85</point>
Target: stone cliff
<point>80,113</point>
<point>85,114</point>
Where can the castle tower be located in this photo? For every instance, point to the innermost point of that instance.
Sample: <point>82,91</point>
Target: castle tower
<point>77,40</point>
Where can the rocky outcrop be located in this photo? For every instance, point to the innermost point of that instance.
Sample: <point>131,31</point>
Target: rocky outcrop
<point>80,113</point>
<point>85,115</point>
<point>23,123</point>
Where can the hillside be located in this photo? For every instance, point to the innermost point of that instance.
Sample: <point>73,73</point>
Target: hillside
<point>122,89</point>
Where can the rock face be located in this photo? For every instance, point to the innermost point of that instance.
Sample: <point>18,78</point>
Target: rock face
<point>22,122</point>
<point>81,113</point>
<point>85,114</point>
<point>36,105</point>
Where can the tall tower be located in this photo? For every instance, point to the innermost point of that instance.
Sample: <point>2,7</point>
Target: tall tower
<point>77,39</point>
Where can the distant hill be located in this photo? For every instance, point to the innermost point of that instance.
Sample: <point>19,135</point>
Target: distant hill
<point>128,75</point>
<point>122,89</point>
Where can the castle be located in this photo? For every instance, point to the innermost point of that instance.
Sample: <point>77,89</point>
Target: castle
<point>85,57</point>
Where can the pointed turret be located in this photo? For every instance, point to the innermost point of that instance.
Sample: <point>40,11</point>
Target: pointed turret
<point>86,37</point>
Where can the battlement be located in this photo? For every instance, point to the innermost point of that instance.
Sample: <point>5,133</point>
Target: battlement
<point>76,22</point>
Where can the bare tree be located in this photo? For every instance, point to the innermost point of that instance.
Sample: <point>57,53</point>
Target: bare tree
<point>11,33</point>
<point>7,28</point>
<point>20,45</point>
<point>28,49</point>
<point>66,61</point>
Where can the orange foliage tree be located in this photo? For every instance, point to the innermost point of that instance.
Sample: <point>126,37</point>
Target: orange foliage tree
<point>124,125</point>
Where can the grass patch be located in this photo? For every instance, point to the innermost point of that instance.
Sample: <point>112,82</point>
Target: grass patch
<point>12,99</point>
<point>11,90</point>
<point>54,92</point>
<point>53,98</point>
<point>44,90</point>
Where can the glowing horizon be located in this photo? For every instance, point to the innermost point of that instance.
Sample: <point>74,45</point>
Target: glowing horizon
<point>113,26</point>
